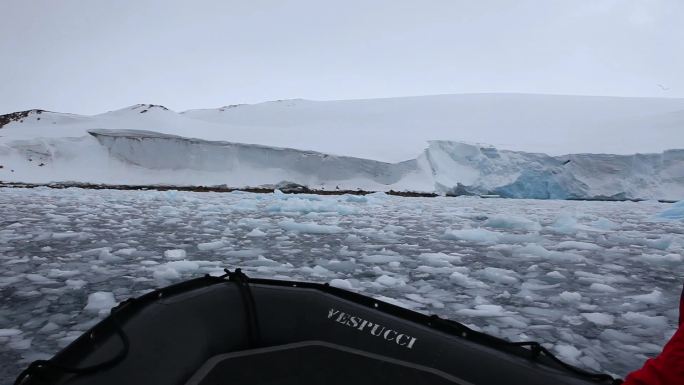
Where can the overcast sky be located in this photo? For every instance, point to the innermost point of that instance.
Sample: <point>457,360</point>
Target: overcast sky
<point>93,56</point>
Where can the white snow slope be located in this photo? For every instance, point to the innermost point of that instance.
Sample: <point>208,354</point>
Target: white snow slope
<point>414,143</point>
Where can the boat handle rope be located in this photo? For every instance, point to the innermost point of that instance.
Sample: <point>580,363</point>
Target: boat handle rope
<point>40,365</point>
<point>251,318</point>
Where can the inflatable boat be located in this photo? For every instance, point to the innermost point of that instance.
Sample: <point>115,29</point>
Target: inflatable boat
<point>236,330</point>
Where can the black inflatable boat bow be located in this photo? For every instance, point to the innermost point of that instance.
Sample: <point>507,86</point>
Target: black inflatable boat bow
<point>48,368</point>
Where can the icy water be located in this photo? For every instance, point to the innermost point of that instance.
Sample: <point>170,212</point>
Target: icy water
<point>596,282</point>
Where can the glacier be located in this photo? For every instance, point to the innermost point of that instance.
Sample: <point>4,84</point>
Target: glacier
<point>444,167</point>
<point>350,145</point>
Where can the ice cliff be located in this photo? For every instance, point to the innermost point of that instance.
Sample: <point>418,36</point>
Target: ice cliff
<point>445,167</point>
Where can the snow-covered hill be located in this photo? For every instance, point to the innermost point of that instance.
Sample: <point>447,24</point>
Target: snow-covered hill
<point>415,143</point>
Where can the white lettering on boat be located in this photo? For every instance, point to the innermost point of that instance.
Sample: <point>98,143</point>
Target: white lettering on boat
<point>374,329</point>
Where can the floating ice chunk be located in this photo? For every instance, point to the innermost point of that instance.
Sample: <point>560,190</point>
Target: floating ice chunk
<point>20,344</point>
<point>175,254</point>
<point>211,245</point>
<point>675,212</point>
<point>485,310</point>
<point>100,302</point>
<point>511,322</point>
<point>604,224</point>
<point>587,307</point>
<point>9,332</point>
<point>473,235</point>
<point>537,286</point>
<point>341,283</point>
<point>533,250</point>
<point>57,273</point>
<point>355,198</point>
<point>386,280</point>
<point>128,251</point>
<point>576,245</point>
<point>658,259</point>
<point>601,319</point>
<point>377,197</point>
<point>6,281</point>
<point>656,322</point>
<point>498,275</point>
<point>182,266</point>
<point>321,271</point>
<point>660,243</point>
<point>256,233</point>
<point>616,335</point>
<point>17,261</point>
<point>309,227</point>
<point>652,298</point>
<point>262,261</point>
<point>512,222</point>
<point>606,278</point>
<point>345,252</point>
<point>106,256</point>
<point>439,259</point>
<point>246,253</point>
<point>568,353</point>
<point>244,205</point>
<point>565,224</point>
<point>39,279</point>
<point>165,273</point>
<point>555,274</point>
<point>570,296</point>
<point>381,258</point>
<point>353,238</point>
<point>49,327</point>
<point>314,204</point>
<point>342,266</point>
<point>466,281</point>
<point>66,235</point>
<point>602,288</point>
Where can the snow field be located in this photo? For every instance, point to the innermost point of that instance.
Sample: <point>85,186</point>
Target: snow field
<point>596,282</point>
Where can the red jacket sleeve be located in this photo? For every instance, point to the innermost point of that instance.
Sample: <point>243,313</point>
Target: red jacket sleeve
<point>668,367</point>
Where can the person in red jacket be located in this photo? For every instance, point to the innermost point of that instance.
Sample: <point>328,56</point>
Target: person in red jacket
<point>668,367</point>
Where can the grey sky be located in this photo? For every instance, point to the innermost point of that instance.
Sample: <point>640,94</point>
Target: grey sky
<point>92,56</point>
